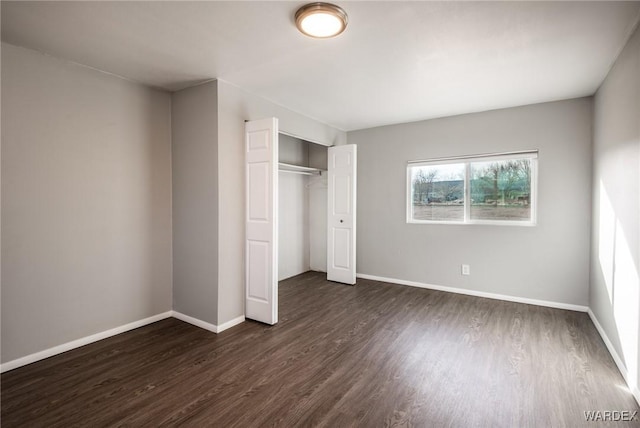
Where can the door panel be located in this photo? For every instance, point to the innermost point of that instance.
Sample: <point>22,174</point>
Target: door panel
<point>259,202</point>
<point>259,270</point>
<point>341,241</point>
<point>261,246</point>
<point>341,220</point>
<point>342,194</point>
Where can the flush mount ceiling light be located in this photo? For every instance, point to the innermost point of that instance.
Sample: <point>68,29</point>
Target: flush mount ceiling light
<point>321,20</point>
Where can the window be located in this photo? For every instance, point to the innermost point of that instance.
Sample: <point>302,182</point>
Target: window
<point>488,189</point>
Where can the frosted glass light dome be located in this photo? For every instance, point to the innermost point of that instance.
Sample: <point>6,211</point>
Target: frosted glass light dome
<point>321,20</point>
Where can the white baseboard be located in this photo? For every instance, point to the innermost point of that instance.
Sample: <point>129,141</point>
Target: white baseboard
<point>610,347</point>
<point>205,325</point>
<point>616,357</point>
<point>528,301</point>
<point>32,358</point>
<point>195,321</point>
<point>224,326</point>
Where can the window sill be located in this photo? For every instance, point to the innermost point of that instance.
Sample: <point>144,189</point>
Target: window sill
<point>475,223</point>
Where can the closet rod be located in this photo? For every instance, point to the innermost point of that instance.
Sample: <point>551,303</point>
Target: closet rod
<point>300,172</point>
<point>287,167</point>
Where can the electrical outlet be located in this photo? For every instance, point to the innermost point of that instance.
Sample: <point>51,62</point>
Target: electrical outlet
<point>466,270</point>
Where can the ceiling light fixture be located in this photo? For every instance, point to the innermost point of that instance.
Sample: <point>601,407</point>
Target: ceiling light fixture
<point>321,20</point>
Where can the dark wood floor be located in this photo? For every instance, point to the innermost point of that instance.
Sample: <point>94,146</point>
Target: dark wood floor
<point>371,355</point>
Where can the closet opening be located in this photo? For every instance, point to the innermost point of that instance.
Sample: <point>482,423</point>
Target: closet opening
<point>300,213</point>
<point>302,207</point>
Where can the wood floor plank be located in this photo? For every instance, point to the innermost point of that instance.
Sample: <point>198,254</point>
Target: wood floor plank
<point>371,355</point>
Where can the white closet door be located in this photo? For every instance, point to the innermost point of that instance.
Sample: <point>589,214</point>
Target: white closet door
<point>261,246</point>
<point>341,221</point>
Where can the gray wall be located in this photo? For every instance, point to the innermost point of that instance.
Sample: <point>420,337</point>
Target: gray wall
<point>234,107</point>
<point>548,262</point>
<point>194,123</point>
<point>614,297</point>
<point>86,202</point>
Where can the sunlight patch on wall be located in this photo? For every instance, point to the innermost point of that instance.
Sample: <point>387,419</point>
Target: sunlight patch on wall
<point>606,240</point>
<point>622,282</point>
<point>625,303</point>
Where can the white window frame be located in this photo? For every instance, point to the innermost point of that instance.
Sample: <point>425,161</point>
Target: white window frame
<point>467,161</point>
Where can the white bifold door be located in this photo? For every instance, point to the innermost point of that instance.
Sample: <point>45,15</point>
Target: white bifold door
<point>261,246</point>
<point>261,217</point>
<point>341,221</point>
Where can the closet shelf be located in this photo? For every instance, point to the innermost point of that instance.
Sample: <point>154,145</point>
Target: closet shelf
<point>297,169</point>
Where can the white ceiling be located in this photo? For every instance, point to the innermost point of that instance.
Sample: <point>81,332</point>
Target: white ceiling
<point>396,62</point>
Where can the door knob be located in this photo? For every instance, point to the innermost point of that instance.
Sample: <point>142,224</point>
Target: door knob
<point>341,221</point>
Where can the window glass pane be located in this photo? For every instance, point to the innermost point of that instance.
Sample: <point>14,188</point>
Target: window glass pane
<point>437,192</point>
<point>501,190</point>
